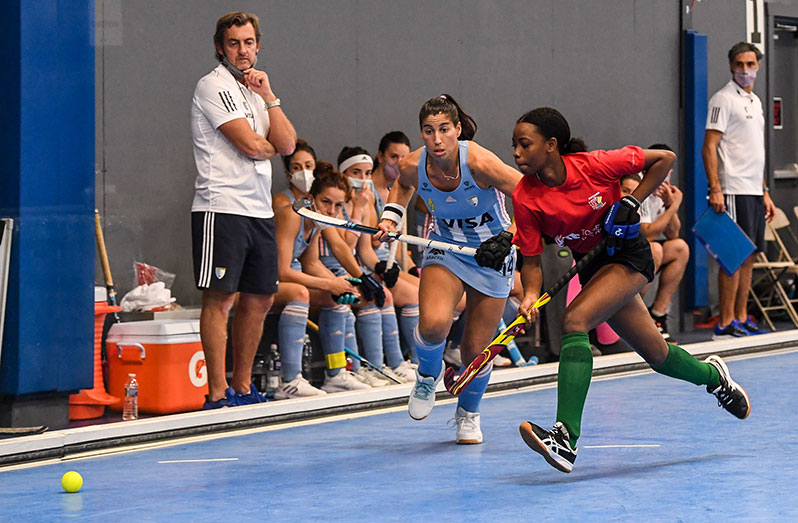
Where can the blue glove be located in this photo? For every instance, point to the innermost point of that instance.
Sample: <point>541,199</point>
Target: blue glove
<point>622,223</point>
<point>493,251</point>
<point>390,276</point>
<point>347,298</point>
<point>371,289</point>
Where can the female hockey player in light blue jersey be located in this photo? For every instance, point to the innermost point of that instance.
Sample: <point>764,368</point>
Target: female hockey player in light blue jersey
<point>463,185</point>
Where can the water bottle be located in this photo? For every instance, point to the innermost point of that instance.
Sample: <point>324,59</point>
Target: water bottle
<point>273,370</point>
<point>130,408</point>
<point>307,359</point>
<point>259,372</point>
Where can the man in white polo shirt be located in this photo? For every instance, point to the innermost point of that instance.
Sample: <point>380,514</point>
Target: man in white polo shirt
<point>237,125</point>
<point>734,161</point>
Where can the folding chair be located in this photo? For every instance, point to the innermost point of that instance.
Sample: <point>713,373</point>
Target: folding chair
<point>767,291</point>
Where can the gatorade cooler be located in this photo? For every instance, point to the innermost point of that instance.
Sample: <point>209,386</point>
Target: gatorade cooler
<point>166,357</point>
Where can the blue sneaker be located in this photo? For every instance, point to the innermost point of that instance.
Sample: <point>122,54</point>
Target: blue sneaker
<point>249,399</point>
<point>752,328</point>
<point>227,401</point>
<point>732,330</point>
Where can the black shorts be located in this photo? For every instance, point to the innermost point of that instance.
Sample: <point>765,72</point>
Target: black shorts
<point>636,254</point>
<point>234,253</point>
<point>748,211</point>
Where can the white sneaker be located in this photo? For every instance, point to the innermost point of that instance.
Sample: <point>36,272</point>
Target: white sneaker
<point>298,387</point>
<point>422,397</point>
<point>343,381</point>
<point>468,431</point>
<point>371,377</point>
<point>392,373</point>
<point>451,355</point>
<point>406,372</point>
<point>501,361</point>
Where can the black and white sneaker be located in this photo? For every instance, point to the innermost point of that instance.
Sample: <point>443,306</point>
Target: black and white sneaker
<point>662,326</point>
<point>554,445</point>
<point>731,396</point>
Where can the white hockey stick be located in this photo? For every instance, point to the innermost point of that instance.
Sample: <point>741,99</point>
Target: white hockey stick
<point>303,208</point>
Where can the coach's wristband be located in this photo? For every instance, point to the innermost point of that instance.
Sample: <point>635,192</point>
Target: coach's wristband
<point>393,212</point>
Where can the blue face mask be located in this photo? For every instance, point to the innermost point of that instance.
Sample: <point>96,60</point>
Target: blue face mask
<point>745,77</point>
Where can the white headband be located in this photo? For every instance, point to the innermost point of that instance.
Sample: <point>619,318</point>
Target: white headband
<point>349,162</point>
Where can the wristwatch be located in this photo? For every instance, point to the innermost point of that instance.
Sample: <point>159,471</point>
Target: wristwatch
<point>273,103</point>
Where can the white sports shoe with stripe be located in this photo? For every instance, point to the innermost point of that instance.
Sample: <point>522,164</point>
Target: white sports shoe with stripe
<point>422,397</point>
<point>343,381</point>
<point>298,387</point>
<point>371,377</point>
<point>468,429</point>
<point>405,372</point>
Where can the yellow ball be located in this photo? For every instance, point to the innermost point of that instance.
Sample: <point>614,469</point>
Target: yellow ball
<point>72,481</point>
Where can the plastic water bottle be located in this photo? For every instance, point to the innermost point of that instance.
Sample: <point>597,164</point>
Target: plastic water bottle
<point>130,408</point>
<point>273,370</point>
<point>307,359</point>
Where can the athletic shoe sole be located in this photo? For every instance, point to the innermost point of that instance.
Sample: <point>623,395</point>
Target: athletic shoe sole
<point>469,441</point>
<point>532,441</point>
<point>717,360</point>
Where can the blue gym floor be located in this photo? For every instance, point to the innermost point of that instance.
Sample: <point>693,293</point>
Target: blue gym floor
<point>652,448</point>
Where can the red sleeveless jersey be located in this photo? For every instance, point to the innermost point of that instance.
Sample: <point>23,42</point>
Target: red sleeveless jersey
<point>571,213</point>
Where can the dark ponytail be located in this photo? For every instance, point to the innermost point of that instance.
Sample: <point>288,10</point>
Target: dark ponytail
<point>552,124</point>
<point>325,175</point>
<point>445,104</point>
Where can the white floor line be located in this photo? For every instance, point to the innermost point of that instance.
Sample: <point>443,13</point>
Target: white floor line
<point>209,460</point>
<point>631,446</point>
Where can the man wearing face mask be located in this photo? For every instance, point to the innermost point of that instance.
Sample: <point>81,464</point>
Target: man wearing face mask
<point>237,125</point>
<point>734,160</point>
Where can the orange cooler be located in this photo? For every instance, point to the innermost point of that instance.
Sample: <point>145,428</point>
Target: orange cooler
<point>166,357</point>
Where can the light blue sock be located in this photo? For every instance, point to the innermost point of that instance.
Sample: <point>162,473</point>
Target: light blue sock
<point>390,337</point>
<point>470,397</point>
<point>350,340</point>
<point>408,319</point>
<point>430,355</point>
<point>369,333</point>
<point>291,337</point>
<point>332,325</point>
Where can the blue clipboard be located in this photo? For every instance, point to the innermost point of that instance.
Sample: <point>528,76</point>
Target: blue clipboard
<point>724,240</point>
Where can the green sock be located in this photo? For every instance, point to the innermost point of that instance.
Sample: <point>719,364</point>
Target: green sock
<point>682,365</point>
<point>573,380</point>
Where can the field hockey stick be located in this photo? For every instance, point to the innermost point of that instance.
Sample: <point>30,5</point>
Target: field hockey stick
<point>357,356</point>
<point>303,208</point>
<point>366,362</point>
<point>512,330</point>
<point>109,281</point>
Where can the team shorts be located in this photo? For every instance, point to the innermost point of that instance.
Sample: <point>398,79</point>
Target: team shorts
<point>748,211</point>
<point>234,253</point>
<point>496,284</point>
<point>635,254</point>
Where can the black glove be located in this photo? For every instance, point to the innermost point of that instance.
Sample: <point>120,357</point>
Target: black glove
<point>492,252</point>
<point>371,289</point>
<point>622,223</point>
<point>390,276</point>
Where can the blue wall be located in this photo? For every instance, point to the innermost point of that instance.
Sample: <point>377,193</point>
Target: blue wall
<point>47,170</point>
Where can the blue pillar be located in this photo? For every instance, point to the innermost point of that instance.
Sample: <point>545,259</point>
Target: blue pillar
<point>47,173</point>
<point>695,117</point>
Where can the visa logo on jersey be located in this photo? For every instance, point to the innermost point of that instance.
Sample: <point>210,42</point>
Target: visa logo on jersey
<point>468,223</point>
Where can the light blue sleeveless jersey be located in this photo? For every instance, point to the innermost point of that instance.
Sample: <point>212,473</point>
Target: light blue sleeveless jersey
<point>327,257</point>
<point>467,215</point>
<point>300,244</point>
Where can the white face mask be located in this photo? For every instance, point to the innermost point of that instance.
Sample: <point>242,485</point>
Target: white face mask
<point>302,180</point>
<point>357,183</point>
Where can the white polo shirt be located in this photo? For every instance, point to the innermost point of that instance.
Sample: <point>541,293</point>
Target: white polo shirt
<point>227,180</point>
<point>741,152</point>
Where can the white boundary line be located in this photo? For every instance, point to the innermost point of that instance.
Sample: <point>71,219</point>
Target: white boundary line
<point>66,437</point>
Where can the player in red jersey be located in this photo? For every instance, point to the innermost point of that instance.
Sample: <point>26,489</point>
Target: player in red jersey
<point>573,197</point>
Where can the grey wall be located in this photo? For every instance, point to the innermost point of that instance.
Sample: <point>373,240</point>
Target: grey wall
<point>347,71</point>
